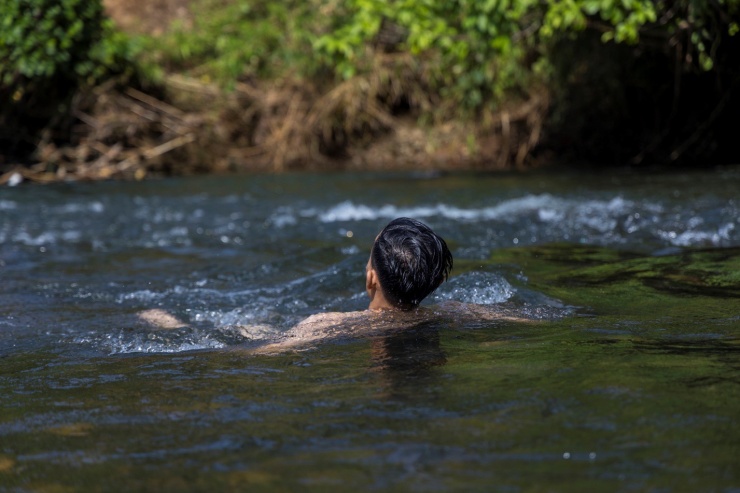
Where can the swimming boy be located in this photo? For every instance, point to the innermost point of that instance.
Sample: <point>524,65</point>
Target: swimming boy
<point>408,261</point>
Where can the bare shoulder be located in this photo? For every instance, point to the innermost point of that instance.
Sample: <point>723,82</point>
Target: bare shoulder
<point>329,317</point>
<point>329,322</point>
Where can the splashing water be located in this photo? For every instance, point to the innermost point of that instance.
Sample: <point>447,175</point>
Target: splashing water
<point>267,252</point>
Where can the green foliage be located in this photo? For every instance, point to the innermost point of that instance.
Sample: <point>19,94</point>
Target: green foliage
<point>465,55</point>
<point>468,49</point>
<point>473,51</point>
<point>44,37</point>
<point>620,20</point>
<point>468,53</point>
<point>47,49</point>
<point>228,41</point>
<point>697,26</point>
<point>42,40</point>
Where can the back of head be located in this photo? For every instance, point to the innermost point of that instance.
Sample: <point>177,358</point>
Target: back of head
<point>411,261</point>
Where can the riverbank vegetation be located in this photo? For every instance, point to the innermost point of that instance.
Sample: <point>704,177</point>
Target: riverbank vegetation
<point>184,86</point>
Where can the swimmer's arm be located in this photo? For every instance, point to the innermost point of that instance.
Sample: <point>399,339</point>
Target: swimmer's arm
<point>304,335</point>
<point>323,322</point>
<point>318,322</point>
<point>160,319</point>
<point>317,327</point>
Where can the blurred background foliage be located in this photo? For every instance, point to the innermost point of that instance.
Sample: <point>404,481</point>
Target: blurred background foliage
<point>629,81</point>
<point>48,50</point>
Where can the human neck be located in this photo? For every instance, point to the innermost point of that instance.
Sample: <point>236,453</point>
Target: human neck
<point>379,302</point>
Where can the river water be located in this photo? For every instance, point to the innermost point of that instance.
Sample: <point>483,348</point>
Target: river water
<point>624,377</point>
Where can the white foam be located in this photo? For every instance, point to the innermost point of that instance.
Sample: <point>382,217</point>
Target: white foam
<point>76,208</point>
<point>482,288</point>
<point>690,237</point>
<point>220,318</point>
<point>349,211</point>
<point>282,217</point>
<point>149,343</point>
<point>597,215</point>
<point>177,340</point>
<point>8,205</point>
<point>46,238</point>
<point>548,215</point>
<point>141,295</point>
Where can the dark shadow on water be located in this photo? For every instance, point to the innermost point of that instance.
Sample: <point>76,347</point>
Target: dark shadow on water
<point>407,359</point>
<point>704,355</point>
<point>706,347</point>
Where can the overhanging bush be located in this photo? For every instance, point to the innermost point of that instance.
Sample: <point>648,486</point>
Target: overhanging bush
<point>48,48</point>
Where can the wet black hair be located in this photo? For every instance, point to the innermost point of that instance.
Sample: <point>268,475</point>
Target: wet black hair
<point>411,261</point>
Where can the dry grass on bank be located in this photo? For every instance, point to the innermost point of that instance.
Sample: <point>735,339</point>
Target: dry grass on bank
<point>356,125</point>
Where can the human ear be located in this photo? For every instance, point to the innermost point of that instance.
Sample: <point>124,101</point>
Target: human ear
<point>371,283</point>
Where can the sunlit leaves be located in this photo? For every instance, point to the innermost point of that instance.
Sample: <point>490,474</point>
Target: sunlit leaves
<point>471,43</point>
<point>42,39</point>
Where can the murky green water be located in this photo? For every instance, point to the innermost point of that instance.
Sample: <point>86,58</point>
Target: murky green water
<point>627,378</point>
